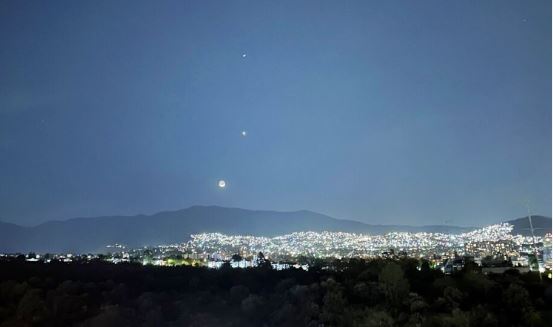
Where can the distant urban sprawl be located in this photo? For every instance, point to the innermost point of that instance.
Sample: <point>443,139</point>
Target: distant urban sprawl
<point>493,247</point>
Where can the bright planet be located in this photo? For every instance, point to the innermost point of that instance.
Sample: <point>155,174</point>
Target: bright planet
<point>222,183</point>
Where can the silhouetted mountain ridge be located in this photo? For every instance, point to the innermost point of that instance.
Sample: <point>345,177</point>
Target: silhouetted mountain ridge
<point>542,225</point>
<point>94,233</point>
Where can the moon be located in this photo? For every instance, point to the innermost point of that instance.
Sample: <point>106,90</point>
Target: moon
<point>221,183</point>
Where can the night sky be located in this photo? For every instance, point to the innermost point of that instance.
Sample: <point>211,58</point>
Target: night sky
<point>405,112</point>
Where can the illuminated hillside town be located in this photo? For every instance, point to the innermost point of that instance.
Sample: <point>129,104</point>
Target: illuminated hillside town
<point>493,248</point>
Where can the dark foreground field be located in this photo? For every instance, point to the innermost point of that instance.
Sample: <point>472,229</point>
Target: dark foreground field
<point>356,293</point>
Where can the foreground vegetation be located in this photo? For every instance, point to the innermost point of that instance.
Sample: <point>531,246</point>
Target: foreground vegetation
<point>353,293</point>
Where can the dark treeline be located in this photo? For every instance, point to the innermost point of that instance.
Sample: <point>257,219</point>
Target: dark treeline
<point>353,293</point>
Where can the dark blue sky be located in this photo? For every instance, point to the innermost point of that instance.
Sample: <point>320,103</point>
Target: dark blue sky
<point>410,112</point>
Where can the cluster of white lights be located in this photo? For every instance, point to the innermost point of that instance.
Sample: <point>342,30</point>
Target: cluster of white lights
<point>338,244</point>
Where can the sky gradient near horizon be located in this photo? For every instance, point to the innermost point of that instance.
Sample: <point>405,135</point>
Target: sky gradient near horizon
<point>386,112</point>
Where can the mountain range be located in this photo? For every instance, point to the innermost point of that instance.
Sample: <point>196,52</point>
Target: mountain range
<point>92,234</point>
